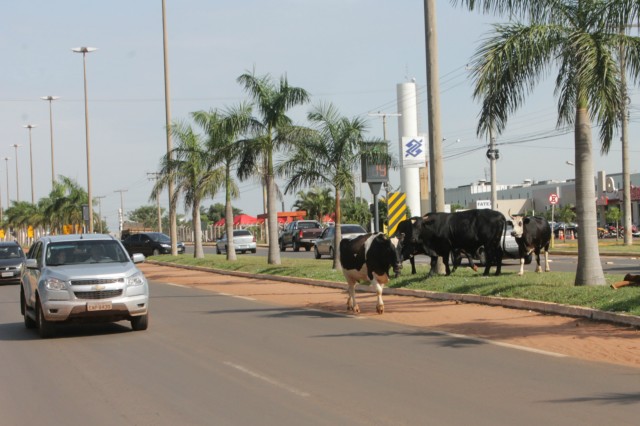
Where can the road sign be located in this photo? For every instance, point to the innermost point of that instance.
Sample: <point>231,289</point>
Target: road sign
<point>553,198</point>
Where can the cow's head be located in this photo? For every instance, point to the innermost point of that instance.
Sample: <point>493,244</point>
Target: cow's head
<point>397,257</point>
<point>518,225</point>
<point>409,229</point>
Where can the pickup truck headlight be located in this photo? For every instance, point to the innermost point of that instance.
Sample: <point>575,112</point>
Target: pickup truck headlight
<point>136,280</point>
<point>55,284</point>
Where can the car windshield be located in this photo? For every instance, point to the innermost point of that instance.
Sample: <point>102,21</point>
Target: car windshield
<point>84,251</point>
<point>159,237</point>
<point>11,252</point>
<point>352,229</point>
<point>305,225</point>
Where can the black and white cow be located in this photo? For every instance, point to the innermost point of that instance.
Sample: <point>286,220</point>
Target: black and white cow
<point>440,234</point>
<point>533,234</point>
<point>369,257</point>
<point>406,227</point>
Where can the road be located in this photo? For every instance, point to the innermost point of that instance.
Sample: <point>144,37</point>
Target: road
<point>559,263</point>
<point>211,358</point>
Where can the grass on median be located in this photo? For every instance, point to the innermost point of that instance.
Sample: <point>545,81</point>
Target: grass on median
<point>556,287</point>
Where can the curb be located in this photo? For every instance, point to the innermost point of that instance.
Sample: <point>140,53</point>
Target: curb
<point>543,307</point>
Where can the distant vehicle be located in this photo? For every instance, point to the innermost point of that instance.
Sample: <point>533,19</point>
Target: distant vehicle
<point>84,278</point>
<point>300,233</point>
<point>150,244</point>
<point>11,261</point>
<point>567,229</point>
<point>323,246</point>
<point>509,248</point>
<point>243,241</point>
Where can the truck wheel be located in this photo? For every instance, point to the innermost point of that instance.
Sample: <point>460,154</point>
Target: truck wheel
<point>316,252</point>
<point>45,328</point>
<point>296,246</point>
<point>331,253</point>
<point>307,248</point>
<point>140,323</point>
<point>282,247</point>
<point>28,321</point>
<point>156,252</point>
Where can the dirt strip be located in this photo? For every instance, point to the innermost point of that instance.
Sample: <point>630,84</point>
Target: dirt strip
<point>575,337</point>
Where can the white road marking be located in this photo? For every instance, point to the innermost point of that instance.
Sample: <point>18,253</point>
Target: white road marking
<point>267,379</point>
<point>177,285</point>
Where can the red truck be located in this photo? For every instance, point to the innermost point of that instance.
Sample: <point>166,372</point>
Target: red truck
<point>300,233</point>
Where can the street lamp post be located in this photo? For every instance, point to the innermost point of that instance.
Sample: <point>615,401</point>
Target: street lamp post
<point>31,126</point>
<point>51,99</point>
<point>100,210</point>
<point>6,161</point>
<point>84,50</point>
<point>16,146</point>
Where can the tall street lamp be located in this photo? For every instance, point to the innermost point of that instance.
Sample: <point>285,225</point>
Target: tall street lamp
<point>84,50</point>
<point>6,161</point>
<point>31,126</point>
<point>16,146</point>
<point>51,99</point>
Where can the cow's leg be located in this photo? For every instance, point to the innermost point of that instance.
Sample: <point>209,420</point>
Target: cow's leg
<point>352,305</point>
<point>521,272</point>
<point>434,266</point>
<point>538,267</point>
<point>546,261</point>
<point>445,260</point>
<point>412,260</point>
<point>379,302</point>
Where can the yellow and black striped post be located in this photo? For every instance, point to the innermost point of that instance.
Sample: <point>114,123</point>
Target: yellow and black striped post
<point>397,210</point>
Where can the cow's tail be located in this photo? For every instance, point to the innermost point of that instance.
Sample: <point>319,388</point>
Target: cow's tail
<point>504,236</point>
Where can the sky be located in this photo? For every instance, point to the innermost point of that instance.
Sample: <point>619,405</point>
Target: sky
<point>351,53</point>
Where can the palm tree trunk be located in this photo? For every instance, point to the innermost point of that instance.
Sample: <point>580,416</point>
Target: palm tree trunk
<point>338,234</point>
<point>272,216</point>
<point>589,270</point>
<point>197,231</point>
<point>228,218</point>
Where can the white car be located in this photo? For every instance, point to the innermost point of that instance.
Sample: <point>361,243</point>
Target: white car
<point>84,278</point>
<point>243,241</point>
<point>324,244</point>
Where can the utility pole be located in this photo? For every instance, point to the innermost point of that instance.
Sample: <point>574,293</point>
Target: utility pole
<point>100,210</point>
<point>121,215</point>
<point>155,176</point>
<point>433,104</point>
<point>493,154</point>
<point>384,116</point>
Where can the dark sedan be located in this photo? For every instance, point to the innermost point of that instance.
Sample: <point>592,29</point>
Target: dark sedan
<point>11,261</point>
<point>150,244</point>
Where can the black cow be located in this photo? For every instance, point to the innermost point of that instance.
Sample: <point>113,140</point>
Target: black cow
<point>369,257</point>
<point>440,234</point>
<point>405,228</point>
<point>532,234</point>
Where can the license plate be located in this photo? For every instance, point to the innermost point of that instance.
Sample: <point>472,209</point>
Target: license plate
<point>7,274</point>
<point>102,306</point>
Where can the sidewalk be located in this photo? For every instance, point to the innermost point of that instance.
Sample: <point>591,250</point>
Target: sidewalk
<point>549,333</point>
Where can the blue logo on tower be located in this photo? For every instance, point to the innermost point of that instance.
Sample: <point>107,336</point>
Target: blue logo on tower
<point>413,148</point>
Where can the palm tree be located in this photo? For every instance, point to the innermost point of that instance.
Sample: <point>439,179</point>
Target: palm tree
<point>193,174</point>
<point>276,132</point>
<point>317,202</point>
<point>64,206</point>
<point>583,40</point>
<point>329,157</point>
<point>223,130</point>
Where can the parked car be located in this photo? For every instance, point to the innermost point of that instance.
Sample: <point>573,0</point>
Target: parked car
<point>324,244</point>
<point>84,278</point>
<point>567,228</point>
<point>11,261</point>
<point>243,241</point>
<point>150,244</point>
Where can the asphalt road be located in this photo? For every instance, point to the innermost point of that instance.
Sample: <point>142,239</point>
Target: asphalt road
<point>210,358</point>
<point>560,263</point>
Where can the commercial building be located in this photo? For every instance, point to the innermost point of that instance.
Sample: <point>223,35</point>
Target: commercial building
<point>534,195</point>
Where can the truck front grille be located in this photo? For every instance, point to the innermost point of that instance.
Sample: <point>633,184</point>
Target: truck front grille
<point>102,294</point>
